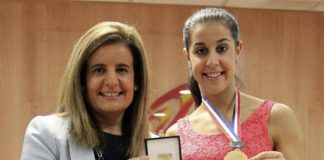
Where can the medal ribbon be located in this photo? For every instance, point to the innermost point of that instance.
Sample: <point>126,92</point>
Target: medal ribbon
<point>232,131</point>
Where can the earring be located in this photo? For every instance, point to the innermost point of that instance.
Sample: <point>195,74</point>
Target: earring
<point>236,62</point>
<point>135,88</point>
<point>189,65</point>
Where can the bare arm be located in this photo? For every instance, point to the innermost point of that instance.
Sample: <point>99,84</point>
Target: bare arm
<point>286,135</point>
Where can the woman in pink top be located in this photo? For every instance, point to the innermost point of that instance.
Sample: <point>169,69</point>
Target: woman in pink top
<point>268,130</point>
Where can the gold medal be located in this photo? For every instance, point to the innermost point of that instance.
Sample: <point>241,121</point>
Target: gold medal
<point>236,154</point>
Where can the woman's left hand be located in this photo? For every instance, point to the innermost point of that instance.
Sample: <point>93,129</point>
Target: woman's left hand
<point>140,158</point>
<point>273,155</point>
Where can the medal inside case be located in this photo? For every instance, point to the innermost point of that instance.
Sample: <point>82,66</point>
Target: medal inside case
<point>163,148</point>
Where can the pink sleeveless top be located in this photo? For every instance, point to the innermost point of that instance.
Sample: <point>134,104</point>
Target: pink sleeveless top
<point>254,134</point>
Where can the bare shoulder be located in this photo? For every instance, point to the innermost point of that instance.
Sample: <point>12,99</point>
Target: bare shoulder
<point>251,101</point>
<point>249,104</point>
<point>172,131</point>
<point>282,120</point>
<point>281,116</point>
<point>281,112</point>
<point>278,110</point>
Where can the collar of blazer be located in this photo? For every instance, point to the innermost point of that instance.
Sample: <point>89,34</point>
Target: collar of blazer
<point>78,152</point>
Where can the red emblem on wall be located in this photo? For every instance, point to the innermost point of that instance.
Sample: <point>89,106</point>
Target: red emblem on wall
<point>171,106</point>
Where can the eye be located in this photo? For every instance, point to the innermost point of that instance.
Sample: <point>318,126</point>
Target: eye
<point>201,51</point>
<point>221,49</point>
<point>99,70</point>
<point>122,70</point>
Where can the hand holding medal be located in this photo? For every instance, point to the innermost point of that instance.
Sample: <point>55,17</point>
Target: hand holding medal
<point>232,131</point>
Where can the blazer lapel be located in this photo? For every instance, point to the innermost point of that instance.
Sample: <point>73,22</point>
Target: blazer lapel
<point>80,152</point>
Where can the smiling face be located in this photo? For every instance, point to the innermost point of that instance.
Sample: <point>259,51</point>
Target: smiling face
<point>110,79</point>
<point>212,55</point>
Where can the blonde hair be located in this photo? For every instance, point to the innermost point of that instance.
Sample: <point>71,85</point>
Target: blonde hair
<point>72,101</point>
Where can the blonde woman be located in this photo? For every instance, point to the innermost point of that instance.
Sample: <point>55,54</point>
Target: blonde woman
<point>101,106</point>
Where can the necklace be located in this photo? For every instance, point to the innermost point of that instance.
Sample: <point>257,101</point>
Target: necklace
<point>232,131</point>
<point>99,154</point>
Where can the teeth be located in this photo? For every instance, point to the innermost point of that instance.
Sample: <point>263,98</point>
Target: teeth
<point>109,94</point>
<point>214,75</point>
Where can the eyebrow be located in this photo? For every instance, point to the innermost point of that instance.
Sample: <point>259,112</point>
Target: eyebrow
<point>103,65</point>
<point>123,65</point>
<point>218,41</point>
<point>222,40</point>
<point>97,65</point>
